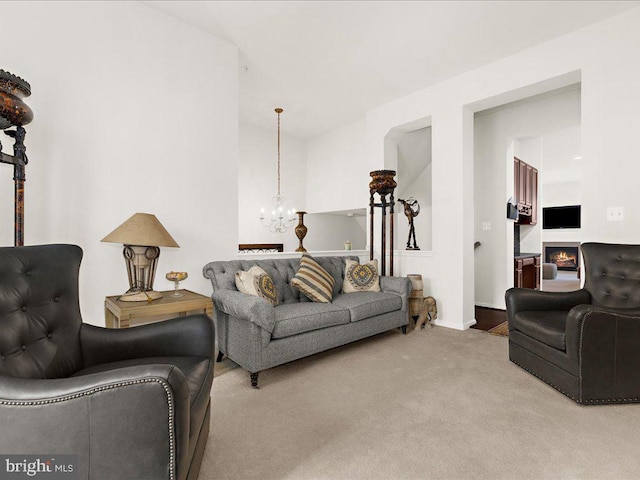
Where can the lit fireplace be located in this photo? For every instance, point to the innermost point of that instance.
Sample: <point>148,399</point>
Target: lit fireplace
<point>565,257</point>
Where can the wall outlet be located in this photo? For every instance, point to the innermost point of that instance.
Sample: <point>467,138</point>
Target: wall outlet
<point>486,225</point>
<point>615,214</point>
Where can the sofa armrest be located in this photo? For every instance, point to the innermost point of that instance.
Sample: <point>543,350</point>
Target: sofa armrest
<point>525,299</point>
<point>246,307</point>
<point>192,336</point>
<point>399,285</point>
<point>126,423</point>
<point>604,342</point>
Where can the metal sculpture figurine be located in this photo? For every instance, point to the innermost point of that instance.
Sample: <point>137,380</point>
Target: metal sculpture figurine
<point>411,210</point>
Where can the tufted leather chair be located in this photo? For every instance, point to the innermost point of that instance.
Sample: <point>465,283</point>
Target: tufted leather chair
<point>585,343</point>
<point>131,403</point>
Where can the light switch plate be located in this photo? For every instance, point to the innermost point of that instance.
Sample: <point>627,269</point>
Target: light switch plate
<point>615,214</point>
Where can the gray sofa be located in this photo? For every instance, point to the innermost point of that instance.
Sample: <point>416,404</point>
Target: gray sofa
<point>257,336</point>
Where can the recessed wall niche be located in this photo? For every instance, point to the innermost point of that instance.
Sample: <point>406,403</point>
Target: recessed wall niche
<point>408,151</point>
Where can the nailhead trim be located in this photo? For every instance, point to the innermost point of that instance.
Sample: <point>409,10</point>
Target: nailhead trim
<point>594,401</point>
<point>172,457</point>
<point>546,381</point>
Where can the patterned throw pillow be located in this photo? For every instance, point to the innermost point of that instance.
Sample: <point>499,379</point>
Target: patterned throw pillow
<point>313,280</point>
<point>361,278</point>
<point>258,283</point>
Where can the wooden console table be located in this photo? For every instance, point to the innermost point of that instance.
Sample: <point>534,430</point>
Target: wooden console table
<point>526,272</point>
<point>119,314</point>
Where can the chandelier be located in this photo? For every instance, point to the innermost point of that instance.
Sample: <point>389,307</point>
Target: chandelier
<point>281,219</point>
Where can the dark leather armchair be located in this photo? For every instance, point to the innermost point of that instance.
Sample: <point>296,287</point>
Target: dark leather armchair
<point>585,343</point>
<point>131,403</point>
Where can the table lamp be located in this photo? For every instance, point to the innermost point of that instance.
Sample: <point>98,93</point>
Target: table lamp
<point>142,235</point>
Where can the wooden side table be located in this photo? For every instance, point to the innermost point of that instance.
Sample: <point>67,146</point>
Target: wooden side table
<point>124,314</point>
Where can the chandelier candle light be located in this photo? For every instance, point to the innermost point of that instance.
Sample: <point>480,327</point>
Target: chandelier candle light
<point>281,218</point>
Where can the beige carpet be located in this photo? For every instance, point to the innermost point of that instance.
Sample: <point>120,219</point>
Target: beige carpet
<point>434,404</point>
<point>565,281</point>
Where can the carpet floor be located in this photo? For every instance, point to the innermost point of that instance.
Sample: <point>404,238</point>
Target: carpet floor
<point>432,404</point>
<point>564,282</point>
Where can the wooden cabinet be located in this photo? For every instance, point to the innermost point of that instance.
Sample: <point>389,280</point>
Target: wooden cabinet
<point>526,271</point>
<point>533,188</point>
<point>526,192</point>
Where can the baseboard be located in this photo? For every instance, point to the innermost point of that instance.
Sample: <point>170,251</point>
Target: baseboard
<point>468,324</point>
<point>490,305</point>
<point>465,325</point>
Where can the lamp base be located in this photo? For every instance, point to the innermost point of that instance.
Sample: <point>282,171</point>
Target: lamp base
<point>138,296</point>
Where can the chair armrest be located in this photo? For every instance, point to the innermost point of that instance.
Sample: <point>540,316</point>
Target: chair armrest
<point>605,341</point>
<point>246,307</point>
<point>126,423</point>
<point>576,320</point>
<point>525,299</point>
<point>193,335</point>
<point>399,285</point>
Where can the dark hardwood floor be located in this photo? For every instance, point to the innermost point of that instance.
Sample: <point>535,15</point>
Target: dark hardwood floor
<point>487,318</point>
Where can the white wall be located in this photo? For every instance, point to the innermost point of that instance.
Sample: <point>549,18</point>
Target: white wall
<point>257,181</point>
<point>414,180</point>
<point>257,173</point>
<point>330,232</point>
<point>119,88</point>
<point>601,57</point>
<point>134,112</point>
<point>338,170</point>
<point>501,134</point>
<point>562,179</point>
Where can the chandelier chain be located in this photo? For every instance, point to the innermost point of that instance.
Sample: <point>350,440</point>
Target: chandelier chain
<point>279,111</point>
<point>281,219</point>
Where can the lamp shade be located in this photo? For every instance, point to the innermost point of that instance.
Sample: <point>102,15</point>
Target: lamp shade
<point>142,229</point>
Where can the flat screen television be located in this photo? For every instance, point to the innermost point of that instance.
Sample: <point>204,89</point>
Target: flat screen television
<point>561,217</point>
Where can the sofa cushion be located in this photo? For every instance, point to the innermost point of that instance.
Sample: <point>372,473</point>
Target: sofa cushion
<point>363,305</point>
<point>313,280</point>
<point>295,318</point>
<point>258,283</point>
<point>547,327</point>
<point>361,278</point>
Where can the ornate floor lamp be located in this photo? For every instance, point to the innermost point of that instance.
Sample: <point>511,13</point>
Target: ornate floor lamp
<point>15,113</point>
<point>383,184</point>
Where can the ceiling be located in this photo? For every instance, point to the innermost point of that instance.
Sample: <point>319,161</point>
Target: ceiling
<point>327,62</point>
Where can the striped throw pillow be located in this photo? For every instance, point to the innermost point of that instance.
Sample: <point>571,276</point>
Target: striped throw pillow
<point>313,280</point>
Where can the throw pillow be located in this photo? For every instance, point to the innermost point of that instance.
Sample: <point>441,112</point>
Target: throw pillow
<point>313,280</point>
<point>258,283</point>
<point>361,278</point>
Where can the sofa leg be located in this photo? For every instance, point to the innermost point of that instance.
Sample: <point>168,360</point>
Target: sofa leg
<point>404,329</point>
<point>254,379</point>
<point>220,355</point>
